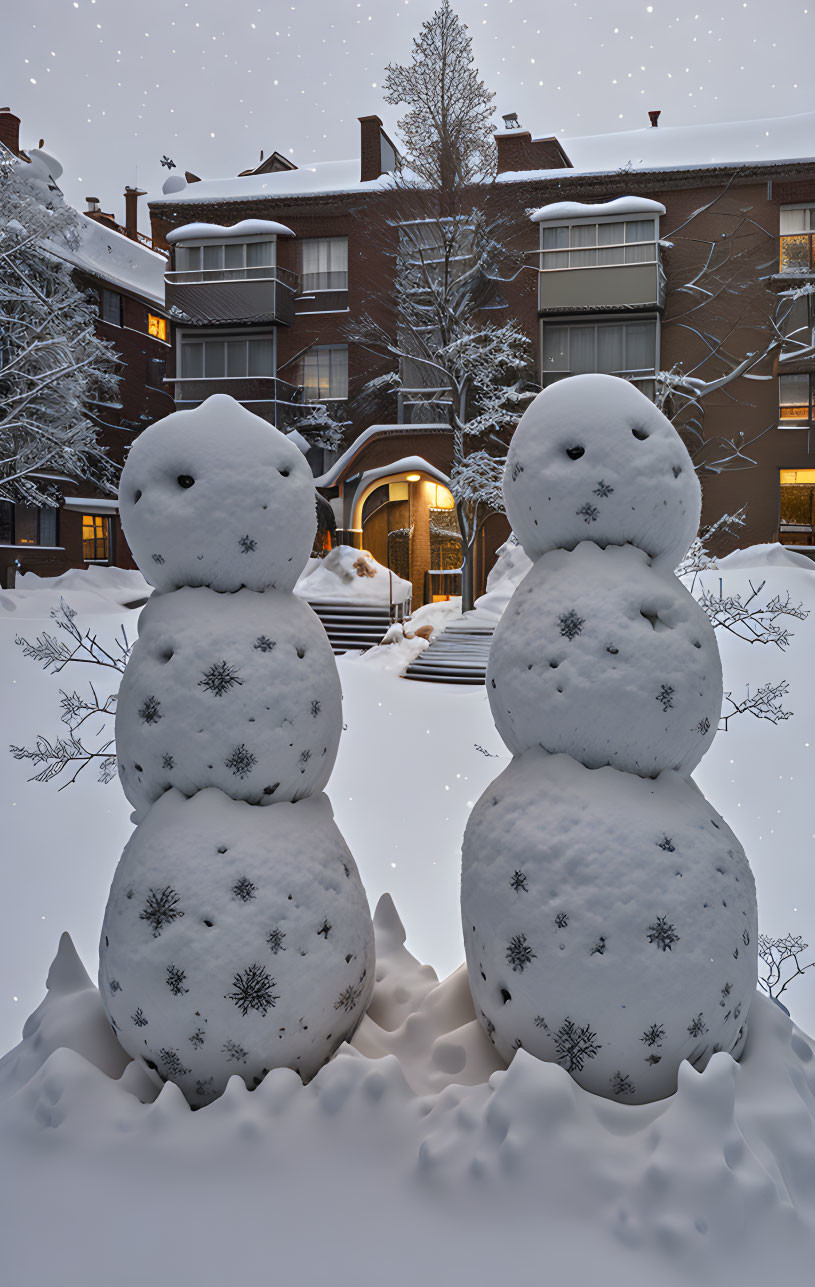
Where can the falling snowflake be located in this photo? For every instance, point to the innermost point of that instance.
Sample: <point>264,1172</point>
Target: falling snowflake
<point>571,625</point>
<point>171,1063</point>
<point>599,947</point>
<point>324,929</point>
<point>621,1084</point>
<point>665,697</point>
<point>241,761</point>
<point>160,909</point>
<point>219,678</point>
<point>574,1045</point>
<point>275,940</point>
<point>603,489</point>
<point>697,1027</point>
<point>175,980</point>
<point>316,707</point>
<point>349,997</point>
<point>589,513</point>
<point>168,762</point>
<point>197,1038</point>
<point>149,710</point>
<point>667,844</point>
<point>115,985</point>
<point>663,934</point>
<point>243,889</point>
<point>518,883</point>
<point>519,954</point>
<point>247,544</point>
<point>253,990</point>
<point>703,726</point>
<point>561,920</point>
<point>138,1018</point>
<point>263,644</point>
<point>653,1036</point>
<point>233,1050</point>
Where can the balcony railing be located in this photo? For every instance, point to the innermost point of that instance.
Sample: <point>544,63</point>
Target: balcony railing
<point>233,295</point>
<point>267,395</point>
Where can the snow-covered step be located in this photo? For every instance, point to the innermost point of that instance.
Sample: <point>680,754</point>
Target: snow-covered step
<point>458,656</point>
<point>352,626</point>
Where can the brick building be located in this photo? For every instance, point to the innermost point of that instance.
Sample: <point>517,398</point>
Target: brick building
<point>119,268</point>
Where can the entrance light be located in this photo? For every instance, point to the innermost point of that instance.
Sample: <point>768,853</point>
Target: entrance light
<point>413,478</point>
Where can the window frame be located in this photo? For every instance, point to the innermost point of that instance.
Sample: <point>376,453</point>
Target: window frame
<point>157,327</point>
<point>187,338</point>
<point>328,397</point>
<point>243,272</point>
<point>104,526</point>
<point>638,375</point>
<point>570,249</point>
<point>306,243</point>
<point>14,526</point>
<point>106,297</point>
<point>792,421</point>
<point>804,237</point>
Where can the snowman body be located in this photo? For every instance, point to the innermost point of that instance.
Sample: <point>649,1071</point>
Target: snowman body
<point>609,913</point>
<point>237,938</point>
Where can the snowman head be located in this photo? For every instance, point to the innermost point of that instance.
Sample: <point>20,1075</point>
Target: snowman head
<point>593,459</point>
<point>217,497</point>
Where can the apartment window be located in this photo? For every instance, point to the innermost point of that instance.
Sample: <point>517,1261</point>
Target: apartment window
<point>616,348</point>
<point>229,261</point>
<point>324,264</point>
<point>111,307</point>
<point>27,525</point>
<point>325,372</point>
<point>95,538</point>
<point>797,510</point>
<point>797,249</point>
<point>598,245</point>
<point>157,327</point>
<point>795,399</point>
<point>236,357</point>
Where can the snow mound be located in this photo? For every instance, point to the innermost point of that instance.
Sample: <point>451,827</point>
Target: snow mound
<point>771,555</point>
<point>354,575</point>
<point>120,587</point>
<point>714,1184</point>
<point>506,574</point>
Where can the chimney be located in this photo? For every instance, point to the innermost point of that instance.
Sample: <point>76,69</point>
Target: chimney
<point>654,118</point>
<point>132,212</point>
<point>377,153</point>
<point>10,130</point>
<point>519,151</point>
<point>93,205</point>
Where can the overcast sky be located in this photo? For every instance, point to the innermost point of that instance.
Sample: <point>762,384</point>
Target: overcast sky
<point>113,85</point>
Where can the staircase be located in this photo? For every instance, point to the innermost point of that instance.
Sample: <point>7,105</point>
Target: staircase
<point>458,656</point>
<point>351,626</point>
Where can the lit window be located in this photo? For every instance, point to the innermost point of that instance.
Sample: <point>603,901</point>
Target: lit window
<point>598,245</point>
<point>797,249</point>
<point>797,509</point>
<point>26,525</point>
<point>95,538</point>
<point>157,327</point>
<point>324,263</point>
<point>325,372</point>
<point>110,307</point>
<point>794,398</point>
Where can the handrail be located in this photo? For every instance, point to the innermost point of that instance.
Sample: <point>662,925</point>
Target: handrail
<point>208,276</point>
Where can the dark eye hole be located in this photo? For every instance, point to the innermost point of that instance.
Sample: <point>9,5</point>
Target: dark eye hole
<point>284,473</point>
<point>184,480</point>
<point>574,453</point>
<point>640,433</point>
<point>136,497</point>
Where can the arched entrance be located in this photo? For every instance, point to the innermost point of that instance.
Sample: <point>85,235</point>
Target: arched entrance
<point>408,523</point>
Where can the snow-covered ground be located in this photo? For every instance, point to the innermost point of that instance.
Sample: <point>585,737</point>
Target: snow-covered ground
<point>444,1169</point>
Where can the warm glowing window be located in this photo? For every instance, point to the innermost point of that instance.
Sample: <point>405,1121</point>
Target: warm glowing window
<point>794,398</point>
<point>797,227</point>
<point>95,542</point>
<point>325,372</point>
<point>157,326</point>
<point>441,498</point>
<point>797,506</point>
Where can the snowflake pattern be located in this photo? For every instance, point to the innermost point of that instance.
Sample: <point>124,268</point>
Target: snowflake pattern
<point>574,1045</point>
<point>697,1027</point>
<point>316,707</point>
<point>622,1084</point>
<point>667,844</point>
<point>244,890</point>
<point>203,1088</point>
<point>263,644</point>
<point>234,1051</point>
<point>158,558</point>
<point>653,1060</point>
<point>168,762</point>
<point>305,756</point>
<point>599,947</point>
<point>175,980</point>
<point>561,920</point>
<point>220,677</point>
<point>275,940</point>
<point>241,761</point>
<point>665,697</point>
<point>171,1063</point>
<point>325,928</point>
<point>588,512</point>
<point>161,909</point>
<point>540,1022</point>
<point>149,712</point>
<point>349,997</point>
<point>518,882</point>
<point>115,986</point>
<point>703,726</point>
<point>663,934</point>
<point>654,1035</point>
<point>516,471</point>
<point>247,544</point>
<point>253,990</point>
<point>489,1027</point>
<point>519,954</point>
<point>603,489</point>
<point>571,625</point>
<point>197,1038</point>
<point>138,1018</point>
<point>726,990</point>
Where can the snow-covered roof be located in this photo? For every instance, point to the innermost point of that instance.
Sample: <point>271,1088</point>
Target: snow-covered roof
<point>221,232</point>
<point>676,147</point>
<point>332,475</point>
<point>561,211</point>
<point>118,260</point>
<point>322,177</point>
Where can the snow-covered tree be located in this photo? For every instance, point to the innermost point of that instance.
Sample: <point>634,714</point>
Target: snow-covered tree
<point>53,366</point>
<point>321,426</point>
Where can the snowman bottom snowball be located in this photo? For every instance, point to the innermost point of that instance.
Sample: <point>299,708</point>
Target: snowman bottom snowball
<point>235,940</point>
<point>609,924</point>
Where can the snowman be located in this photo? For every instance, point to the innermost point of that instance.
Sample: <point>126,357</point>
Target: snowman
<point>237,936</point>
<point>609,912</point>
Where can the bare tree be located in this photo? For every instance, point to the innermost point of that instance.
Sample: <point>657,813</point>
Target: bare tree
<point>781,962</point>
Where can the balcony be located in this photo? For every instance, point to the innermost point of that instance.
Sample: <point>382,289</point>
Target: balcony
<point>601,287</point>
<point>267,395</point>
<point>233,296</point>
